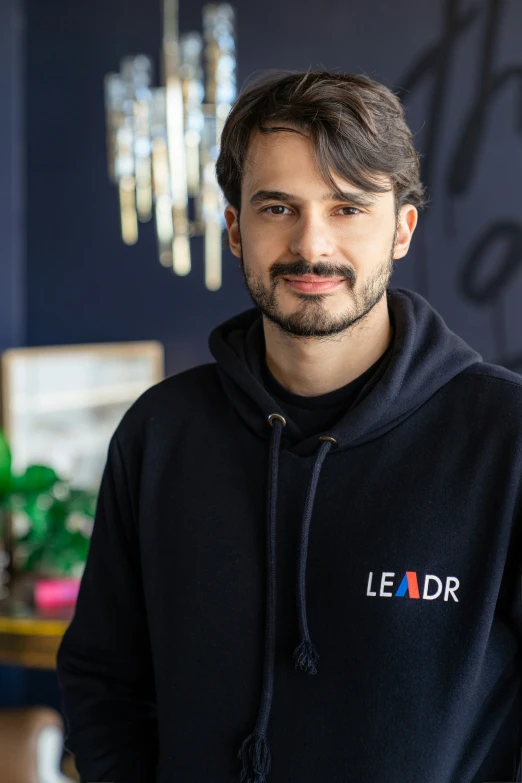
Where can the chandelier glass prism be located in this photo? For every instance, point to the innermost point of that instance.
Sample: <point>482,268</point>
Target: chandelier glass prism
<point>163,142</point>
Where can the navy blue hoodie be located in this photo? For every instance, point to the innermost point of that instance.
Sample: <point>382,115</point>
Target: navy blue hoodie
<point>344,608</point>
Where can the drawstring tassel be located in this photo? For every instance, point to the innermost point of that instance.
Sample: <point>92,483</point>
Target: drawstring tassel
<point>306,657</point>
<point>255,755</point>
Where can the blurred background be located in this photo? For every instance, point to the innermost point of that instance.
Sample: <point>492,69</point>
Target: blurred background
<point>68,279</point>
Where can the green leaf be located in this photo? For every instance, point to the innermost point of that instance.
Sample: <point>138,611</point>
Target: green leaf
<point>39,517</point>
<point>5,465</point>
<point>83,501</point>
<point>37,478</point>
<point>34,559</point>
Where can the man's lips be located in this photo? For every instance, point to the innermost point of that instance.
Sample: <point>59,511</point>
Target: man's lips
<point>313,284</point>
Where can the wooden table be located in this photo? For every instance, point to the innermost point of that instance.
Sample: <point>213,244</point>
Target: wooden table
<point>29,637</point>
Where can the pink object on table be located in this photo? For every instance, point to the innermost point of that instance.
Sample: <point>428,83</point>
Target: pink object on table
<point>49,593</point>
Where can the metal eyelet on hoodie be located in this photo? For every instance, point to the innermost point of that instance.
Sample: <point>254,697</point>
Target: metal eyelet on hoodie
<point>276,417</point>
<point>328,439</point>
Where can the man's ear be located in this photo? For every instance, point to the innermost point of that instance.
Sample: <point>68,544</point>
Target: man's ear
<point>406,222</point>
<point>234,235</point>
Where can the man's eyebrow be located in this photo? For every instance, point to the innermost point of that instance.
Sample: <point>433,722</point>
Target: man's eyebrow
<point>358,198</point>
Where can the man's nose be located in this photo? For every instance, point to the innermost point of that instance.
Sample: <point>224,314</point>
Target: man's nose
<point>310,238</point>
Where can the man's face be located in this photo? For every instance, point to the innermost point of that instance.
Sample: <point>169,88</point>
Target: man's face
<point>313,263</point>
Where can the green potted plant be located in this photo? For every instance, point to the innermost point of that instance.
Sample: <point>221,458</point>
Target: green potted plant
<point>52,521</point>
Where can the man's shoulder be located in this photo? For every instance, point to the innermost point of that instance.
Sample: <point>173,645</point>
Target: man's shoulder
<point>495,377</point>
<point>491,390</point>
<point>173,399</point>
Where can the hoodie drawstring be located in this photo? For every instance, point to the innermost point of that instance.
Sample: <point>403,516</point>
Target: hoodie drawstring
<point>305,654</point>
<point>255,750</point>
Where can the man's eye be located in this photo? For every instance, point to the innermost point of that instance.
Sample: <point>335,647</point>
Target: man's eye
<point>353,209</point>
<point>277,207</point>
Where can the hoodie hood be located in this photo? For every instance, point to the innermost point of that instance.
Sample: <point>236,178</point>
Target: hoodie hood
<point>425,356</point>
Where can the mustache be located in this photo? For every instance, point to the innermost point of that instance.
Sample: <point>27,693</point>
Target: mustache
<point>320,269</point>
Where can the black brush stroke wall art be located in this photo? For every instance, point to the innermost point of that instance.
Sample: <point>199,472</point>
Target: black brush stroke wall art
<point>492,261</point>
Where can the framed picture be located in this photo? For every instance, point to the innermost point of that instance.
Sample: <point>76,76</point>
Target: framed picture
<point>59,406</point>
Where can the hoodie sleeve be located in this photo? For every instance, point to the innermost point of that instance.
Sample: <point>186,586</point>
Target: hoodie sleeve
<point>104,662</point>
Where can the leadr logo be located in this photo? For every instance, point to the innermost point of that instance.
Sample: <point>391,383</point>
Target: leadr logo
<point>433,586</point>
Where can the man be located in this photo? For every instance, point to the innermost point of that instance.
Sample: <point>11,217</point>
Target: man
<point>338,495</point>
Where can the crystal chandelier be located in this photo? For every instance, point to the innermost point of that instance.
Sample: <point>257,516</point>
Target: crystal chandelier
<point>163,142</point>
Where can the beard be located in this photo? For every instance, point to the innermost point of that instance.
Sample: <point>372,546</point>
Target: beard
<point>311,317</point>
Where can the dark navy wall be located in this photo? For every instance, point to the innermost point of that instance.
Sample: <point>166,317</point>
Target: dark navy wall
<point>12,265</point>
<point>461,62</point>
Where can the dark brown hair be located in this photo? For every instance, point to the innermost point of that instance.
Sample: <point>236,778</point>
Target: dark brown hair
<point>356,125</point>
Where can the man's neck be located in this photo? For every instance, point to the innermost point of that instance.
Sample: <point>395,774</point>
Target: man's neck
<point>310,366</point>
